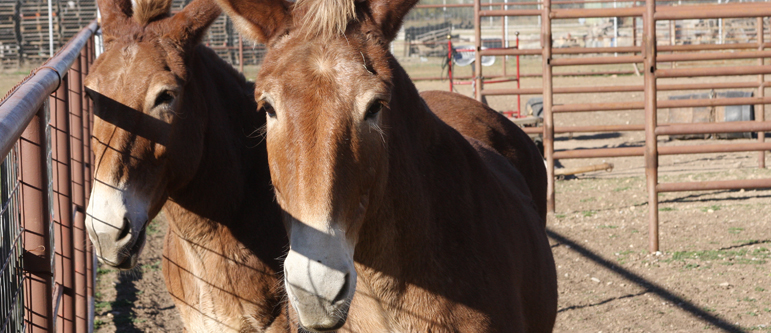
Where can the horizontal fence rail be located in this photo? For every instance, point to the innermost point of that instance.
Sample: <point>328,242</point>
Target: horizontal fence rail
<point>47,279</point>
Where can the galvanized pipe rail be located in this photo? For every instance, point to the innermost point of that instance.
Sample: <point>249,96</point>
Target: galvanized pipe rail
<point>47,120</point>
<point>646,53</point>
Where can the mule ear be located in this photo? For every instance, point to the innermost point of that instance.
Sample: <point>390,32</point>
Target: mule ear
<point>115,15</point>
<point>259,20</point>
<point>190,24</point>
<point>389,14</point>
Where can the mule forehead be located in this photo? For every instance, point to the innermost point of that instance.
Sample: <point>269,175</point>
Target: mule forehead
<point>125,71</point>
<point>319,71</point>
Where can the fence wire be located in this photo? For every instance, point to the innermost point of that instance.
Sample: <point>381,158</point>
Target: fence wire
<point>11,275</point>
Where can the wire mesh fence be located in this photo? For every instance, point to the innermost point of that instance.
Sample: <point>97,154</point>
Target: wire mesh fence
<point>11,276</point>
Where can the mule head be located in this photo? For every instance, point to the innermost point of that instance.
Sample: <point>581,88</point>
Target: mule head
<point>146,139</point>
<point>325,84</point>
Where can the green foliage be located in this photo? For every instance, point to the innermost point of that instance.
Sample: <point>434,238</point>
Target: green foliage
<point>102,271</point>
<point>756,257</point>
<point>154,266</point>
<point>152,229</point>
<point>714,208</point>
<point>735,230</point>
<point>102,306</point>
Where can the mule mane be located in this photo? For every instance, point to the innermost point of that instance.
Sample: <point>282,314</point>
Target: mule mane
<point>146,11</point>
<point>325,18</point>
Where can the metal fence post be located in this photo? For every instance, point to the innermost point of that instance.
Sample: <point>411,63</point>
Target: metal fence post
<point>240,53</point>
<point>62,203</point>
<point>651,145</point>
<point>85,57</point>
<point>77,185</point>
<point>760,109</point>
<point>34,170</point>
<point>548,102</point>
<point>477,79</point>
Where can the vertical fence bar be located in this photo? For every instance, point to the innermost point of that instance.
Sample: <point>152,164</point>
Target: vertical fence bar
<point>11,275</point>
<point>548,102</point>
<point>85,124</point>
<point>77,185</point>
<point>672,37</point>
<point>34,168</point>
<point>651,149</point>
<point>760,109</point>
<point>504,41</point>
<point>449,60</point>
<point>634,31</point>
<point>240,53</point>
<point>519,79</point>
<point>92,264</point>
<point>477,79</point>
<point>62,203</point>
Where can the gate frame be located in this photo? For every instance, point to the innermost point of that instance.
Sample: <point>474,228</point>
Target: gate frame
<point>649,57</point>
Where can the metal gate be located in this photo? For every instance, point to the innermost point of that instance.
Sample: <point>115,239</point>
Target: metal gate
<point>47,275</point>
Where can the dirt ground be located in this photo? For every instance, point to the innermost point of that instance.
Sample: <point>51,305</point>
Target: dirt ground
<point>713,272</point>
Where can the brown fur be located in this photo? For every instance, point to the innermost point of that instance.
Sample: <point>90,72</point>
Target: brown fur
<point>201,162</point>
<point>480,122</point>
<point>447,236</point>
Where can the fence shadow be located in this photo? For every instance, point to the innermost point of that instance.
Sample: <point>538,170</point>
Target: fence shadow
<point>699,197</point>
<point>597,136</point>
<point>650,287</point>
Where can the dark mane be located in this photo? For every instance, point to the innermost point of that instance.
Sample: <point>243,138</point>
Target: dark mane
<point>324,18</point>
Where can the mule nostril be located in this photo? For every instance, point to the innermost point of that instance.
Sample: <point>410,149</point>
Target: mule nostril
<point>124,231</point>
<point>344,290</point>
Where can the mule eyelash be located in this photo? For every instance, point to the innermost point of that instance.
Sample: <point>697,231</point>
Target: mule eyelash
<point>165,97</point>
<point>374,109</point>
<point>266,107</point>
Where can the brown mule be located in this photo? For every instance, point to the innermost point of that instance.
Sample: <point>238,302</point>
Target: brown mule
<point>175,130</point>
<point>436,232</point>
<point>474,119</point>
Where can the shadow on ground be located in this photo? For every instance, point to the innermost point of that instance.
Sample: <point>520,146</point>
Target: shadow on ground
<point>648,286</point>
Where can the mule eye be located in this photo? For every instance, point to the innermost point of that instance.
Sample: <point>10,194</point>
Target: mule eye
<point>374,109</point>
<point>164,98</point>
<point>267,108</point>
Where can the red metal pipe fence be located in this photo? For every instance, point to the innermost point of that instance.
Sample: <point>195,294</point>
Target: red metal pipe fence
<point>647,54</point>
<point>44,137</point>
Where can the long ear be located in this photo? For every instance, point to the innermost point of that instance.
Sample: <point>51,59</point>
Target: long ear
<point>189,25</point>
<point>259,20</point>
<point>389,14</point>
<point>115,14</point>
